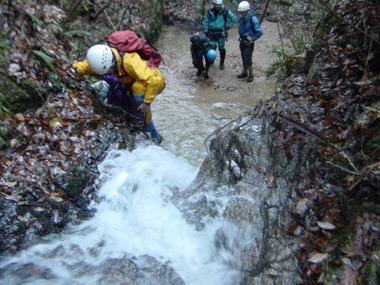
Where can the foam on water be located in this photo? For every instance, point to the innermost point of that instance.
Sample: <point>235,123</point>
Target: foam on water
<point>135,217</point>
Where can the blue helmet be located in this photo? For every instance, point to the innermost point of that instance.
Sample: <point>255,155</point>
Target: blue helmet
<point>211,55</point>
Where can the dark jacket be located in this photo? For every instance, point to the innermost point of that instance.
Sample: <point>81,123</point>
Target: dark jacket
<point>200,45</point>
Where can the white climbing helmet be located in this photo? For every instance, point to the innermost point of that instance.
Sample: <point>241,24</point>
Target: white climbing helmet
<point>218,2</point>
<point>100,58</point>
<point>243,6</point>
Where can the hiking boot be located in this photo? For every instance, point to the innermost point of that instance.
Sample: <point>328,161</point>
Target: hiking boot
<point>242,75</point>
<point>157,140</point>
<point>137,124</point>
<point>221,66</point>
<point>198,72</point>
<point>250,78</point>
<point>206,76</point>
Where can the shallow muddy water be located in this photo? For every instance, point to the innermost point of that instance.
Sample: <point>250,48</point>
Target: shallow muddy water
<point>191,108</point>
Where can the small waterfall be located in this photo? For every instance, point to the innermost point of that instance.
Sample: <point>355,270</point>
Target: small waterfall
<point>135,222</point>
<point>134,217</point>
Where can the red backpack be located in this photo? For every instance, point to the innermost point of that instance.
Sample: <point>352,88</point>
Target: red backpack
<point>129,41</point>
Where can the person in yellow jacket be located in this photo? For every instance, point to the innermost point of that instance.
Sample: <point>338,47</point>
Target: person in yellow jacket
<point>144,82</point>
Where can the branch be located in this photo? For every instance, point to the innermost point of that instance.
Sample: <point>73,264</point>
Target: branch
<point>364,174</point>
<point>101,10</point>
<point>265,11</point>
<point>336,61</point>
<point>122,18</point>
<point>321,138</point>
<point>347,23</point>
<point>109,20</point>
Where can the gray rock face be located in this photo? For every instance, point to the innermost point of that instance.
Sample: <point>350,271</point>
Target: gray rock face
<point>248,182</point>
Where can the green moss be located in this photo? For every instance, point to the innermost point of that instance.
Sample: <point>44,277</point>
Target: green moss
<point>375,143</point>
<point>342,237</point>
<point>370,273</point>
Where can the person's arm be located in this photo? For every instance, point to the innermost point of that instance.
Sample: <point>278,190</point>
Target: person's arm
<point>110,79</point>
<point>232,18</point>
<point>256,28</point>
<point>82,68</point>
<point>206,23</point>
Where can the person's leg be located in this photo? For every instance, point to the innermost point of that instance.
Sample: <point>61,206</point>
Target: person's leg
<point>222,51</point>
<point>250,74</point>
<point>138,122</point>
<point>248,59</point>
<point>208,65</point>
<point>245,68</point>
<point>197,60</point>
<point>138,92</point>
<point>153,132</point>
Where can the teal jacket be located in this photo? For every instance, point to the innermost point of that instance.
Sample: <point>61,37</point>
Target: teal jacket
<point>217,23</point>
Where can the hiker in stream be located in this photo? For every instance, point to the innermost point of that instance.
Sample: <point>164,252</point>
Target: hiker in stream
<point>215,26</point>
<point>249,32</point>
<point>202,48</point>
<point>133,85</point>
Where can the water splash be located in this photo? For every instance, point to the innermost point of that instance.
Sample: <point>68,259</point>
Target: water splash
<point>134,217</point>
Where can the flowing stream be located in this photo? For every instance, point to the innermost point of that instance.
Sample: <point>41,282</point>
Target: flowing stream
<point>135,216</point>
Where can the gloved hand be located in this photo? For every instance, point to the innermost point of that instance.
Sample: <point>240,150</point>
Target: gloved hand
<point>144,107</point>
<point>73,71</point>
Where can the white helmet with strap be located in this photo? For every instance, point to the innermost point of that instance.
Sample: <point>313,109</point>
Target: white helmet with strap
<point>218,2</point>
<point>100,58</point>
<point>243,6</point>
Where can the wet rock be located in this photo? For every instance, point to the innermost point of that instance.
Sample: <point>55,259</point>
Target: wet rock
<point>255,204</point>
<point>141,270</point>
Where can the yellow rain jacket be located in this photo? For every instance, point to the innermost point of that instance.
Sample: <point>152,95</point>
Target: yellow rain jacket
<point>148,81</point>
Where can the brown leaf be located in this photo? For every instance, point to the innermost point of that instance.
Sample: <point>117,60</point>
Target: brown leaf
<point>291,227</point>
<point>316,268</point>
<point>319,242</point>
<point>363,80</point>
<point>329,120</point>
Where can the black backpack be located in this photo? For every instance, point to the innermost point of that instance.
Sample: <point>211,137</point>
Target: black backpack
<point>199,39</point>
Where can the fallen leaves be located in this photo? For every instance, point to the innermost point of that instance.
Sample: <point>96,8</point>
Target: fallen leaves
<point>317,257</point>
<point>337,105</point>
<point>326,225</point>
<point>48,146</point>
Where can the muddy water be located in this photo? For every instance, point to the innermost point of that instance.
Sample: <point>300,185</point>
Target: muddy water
<point>191,108</point>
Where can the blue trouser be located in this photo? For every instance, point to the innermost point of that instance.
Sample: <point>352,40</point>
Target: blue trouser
<point>139,99</point>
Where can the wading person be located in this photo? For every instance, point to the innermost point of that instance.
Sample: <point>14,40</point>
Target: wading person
<point>215,26</point>
<point>249,32</point>
<point>141,83</point>
<point>202,52</point>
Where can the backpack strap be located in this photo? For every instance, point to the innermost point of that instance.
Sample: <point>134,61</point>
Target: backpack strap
<point>225,14</point>
<point>121,54</point>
